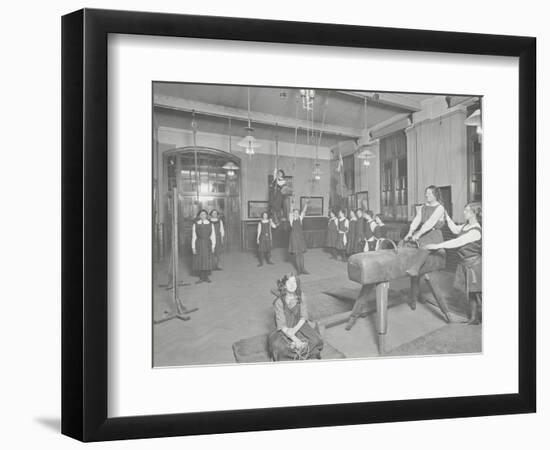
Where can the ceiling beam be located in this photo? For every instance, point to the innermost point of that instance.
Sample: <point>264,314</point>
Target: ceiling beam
<point>454,100</point>
<point>180,104</point>
<point>395,100</point>
<point>381,129</point>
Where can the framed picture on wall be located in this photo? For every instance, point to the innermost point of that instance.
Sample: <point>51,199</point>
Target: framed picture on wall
<point>256,208</point>
<point>117,299</point>
<point>315,205</point>
<point>362,200</point>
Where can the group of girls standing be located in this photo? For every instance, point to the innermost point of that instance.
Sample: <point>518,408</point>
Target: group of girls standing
<point>358,232</point>
<point>207,240</point>
<point>296,242</point>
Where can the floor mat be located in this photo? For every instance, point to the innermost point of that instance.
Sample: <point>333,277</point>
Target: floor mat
<point>329,297</point>
<point>453,338</point>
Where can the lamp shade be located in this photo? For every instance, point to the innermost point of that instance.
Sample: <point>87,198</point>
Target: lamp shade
<point>230,166</point>
<point>474,119</point>
<point>364,144</point>
<point>249,142</point>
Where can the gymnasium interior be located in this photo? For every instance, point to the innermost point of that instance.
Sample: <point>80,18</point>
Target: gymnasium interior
<point>216,147</point>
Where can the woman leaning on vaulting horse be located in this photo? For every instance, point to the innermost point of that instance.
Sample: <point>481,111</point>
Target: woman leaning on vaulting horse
<point>426,228</point>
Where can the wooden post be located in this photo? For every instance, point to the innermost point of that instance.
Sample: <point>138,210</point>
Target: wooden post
<point>180,311</point>
<point>175,249</point>
<point>415,292</point>
<point>440,302</point>
<point>382,290</point>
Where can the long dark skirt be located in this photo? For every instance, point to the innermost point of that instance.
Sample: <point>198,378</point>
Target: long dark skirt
<point>265,244</point>
<point>468,275</point>
<point>280,345</point>
<point>203,260</point>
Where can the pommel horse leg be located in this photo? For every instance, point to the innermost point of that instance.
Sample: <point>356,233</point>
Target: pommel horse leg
<point>440,302</point>
<point>415,292</point>
<point>382,314</point>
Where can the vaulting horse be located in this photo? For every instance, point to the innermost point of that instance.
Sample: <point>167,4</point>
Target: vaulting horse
<point>375,270</point>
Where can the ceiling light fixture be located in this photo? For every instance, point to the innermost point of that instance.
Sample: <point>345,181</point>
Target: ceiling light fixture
<point>474,120</point>
<point>365,143</point>
<point>231,168</point>
<point>249,143</point>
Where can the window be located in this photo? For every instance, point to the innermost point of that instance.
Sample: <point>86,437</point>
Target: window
<point>474,165</point>
<point>393,176</point>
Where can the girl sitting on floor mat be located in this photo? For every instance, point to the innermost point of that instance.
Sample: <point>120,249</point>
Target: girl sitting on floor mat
<point>294,337</point>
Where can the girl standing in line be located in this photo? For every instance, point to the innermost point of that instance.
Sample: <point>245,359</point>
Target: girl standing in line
<point>359,244</point>
<point>332,233</point>
<point>343,227</point>
<point>370,226</point>
<point>297,242</point>
<point>264,238</point>
<point>352,233</point>
<point>380,230</point>
<point>203,244</point>
<point>220,234</point>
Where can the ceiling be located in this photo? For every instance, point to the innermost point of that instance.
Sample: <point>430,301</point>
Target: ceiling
<point>332,109</point>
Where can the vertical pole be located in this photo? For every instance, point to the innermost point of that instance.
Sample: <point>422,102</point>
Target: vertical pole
<point>382,314</point>
<point>197,178</point>
<point>175,249</point>
<point>156,202</point>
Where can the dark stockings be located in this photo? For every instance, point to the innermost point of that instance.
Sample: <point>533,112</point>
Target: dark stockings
<point>266,256</point>
<point>343,255</point>
<point>475,308</point>
<point>203,276</point>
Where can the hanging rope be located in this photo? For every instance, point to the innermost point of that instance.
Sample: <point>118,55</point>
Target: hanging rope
<point>194,127</point>
<point>230,134</point>
<point>318,143</point>
<point>295,136</point>
<point>277,146</point>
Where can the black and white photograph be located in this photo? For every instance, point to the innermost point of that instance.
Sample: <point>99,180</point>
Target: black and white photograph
<point>296,224</point>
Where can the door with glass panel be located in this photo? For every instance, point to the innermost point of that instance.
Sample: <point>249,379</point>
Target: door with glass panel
<point>204,182</point>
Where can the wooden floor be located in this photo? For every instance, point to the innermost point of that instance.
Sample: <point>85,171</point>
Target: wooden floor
<point>238,304</point>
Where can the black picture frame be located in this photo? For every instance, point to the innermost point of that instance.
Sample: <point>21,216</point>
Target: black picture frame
<point>256,208</point>
<point>313,203</point>
<point>359,197</point>
<point>84,224</point>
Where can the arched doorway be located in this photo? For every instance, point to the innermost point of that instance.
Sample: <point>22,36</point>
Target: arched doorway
<point>202,182</point>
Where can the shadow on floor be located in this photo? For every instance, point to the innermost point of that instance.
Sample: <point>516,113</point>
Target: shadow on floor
<point>52,423</point>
